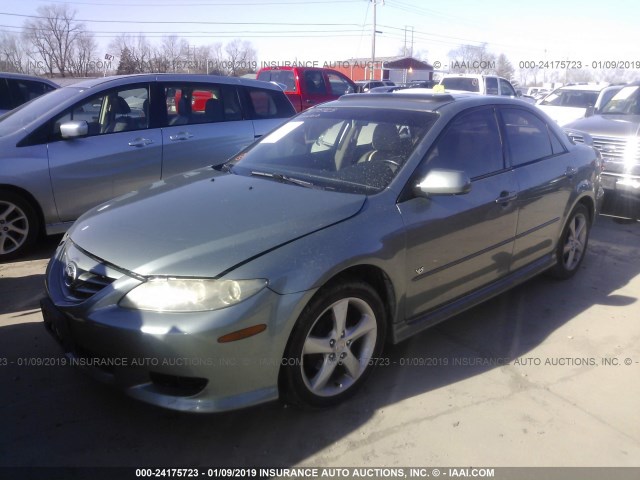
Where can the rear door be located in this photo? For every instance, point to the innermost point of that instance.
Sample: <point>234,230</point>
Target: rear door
<point>545,176</point>
<point>315,88</point>
<point>203,124</point>
<point>266,108</point>
<point>119,154</point>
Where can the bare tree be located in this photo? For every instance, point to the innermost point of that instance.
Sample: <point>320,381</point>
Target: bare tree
<point>52,36</point>
<point>172,51</point>
<point>83,61</point>
<point>241,57</point>
<point>472,59</point>
<point>139,53</point>
<point>504,68</point>
<point>13,57</point>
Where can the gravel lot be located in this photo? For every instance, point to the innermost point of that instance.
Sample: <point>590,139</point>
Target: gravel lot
<point>545,375</point>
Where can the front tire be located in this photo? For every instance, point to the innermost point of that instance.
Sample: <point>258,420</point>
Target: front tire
<point>330,350</point>
<point>572,245</point>
<point>18,225</point>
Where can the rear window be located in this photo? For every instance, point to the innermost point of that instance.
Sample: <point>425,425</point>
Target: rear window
<point>283,77</point>
<point>462,83</point>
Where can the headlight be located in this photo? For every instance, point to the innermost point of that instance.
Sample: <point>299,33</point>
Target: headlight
<point>190,295</point>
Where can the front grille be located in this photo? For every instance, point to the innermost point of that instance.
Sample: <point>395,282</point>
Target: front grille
<point>620,154</point>
<point>83,275</point>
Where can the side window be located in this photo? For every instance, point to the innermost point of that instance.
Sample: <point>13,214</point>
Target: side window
<point>265,104</point>
<point>30,89</point>
<point>314,82</point>
<point>556,145</point>
<point>470,143</point>
<point>339,86</point>
<point>506,88</point>
<point>109,112</point>
<point>527,136</point>
<point>190,103</point>
<point>492,85</point>
<point>5,97</point>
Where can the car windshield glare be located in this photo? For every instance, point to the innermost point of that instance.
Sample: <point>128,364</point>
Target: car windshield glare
<point>571,98</point>
<point>346,149</point>
<point>25,114</point>
<point>625,102</point>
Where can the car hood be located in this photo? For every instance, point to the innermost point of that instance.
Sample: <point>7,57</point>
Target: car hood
<point>206,225</point>
<point>608,125</point>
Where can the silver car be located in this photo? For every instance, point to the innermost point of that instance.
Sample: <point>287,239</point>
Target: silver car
<point>283,272</point>
<point>83,144</point>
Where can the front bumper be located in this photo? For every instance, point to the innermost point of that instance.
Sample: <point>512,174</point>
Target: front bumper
<point>622,195</point>
<point>173,360</point>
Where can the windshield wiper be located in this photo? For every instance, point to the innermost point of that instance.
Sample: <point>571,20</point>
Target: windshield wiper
<point>283,178</point>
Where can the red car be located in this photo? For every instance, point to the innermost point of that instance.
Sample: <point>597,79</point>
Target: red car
<point>308,86</point>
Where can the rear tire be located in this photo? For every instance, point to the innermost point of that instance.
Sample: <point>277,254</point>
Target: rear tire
<point>18,225</point>
<point>332,348</point>
<point>572,245</point>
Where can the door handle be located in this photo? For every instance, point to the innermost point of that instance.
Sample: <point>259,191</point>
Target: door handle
<point>140,142</point>
<point>181,136</point>
<point>506,197</point>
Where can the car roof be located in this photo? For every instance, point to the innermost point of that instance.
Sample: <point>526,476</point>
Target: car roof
<point>117,80</point>
<point>589,88</point>
<point>22,76</point>
<point>425,100</point>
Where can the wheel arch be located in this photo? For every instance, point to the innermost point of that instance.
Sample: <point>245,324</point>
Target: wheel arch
<point>30,199</point>
<point>375,277</point>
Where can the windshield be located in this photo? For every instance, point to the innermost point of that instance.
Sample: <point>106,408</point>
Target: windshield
<point>571,98</point>
<point>625,102</point>
<point>25,114</point>
<point>355,150</point>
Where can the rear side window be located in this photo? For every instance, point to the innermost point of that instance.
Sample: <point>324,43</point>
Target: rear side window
<point>264,104</point>
<point>527,136</point>
<point>191,103</point>
<point>492,85</point>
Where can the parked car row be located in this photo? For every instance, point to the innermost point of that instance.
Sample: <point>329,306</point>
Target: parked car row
<point>614,130</point>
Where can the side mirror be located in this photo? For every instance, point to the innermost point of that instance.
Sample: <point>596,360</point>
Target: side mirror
<point>350,90</point>
<point>591,110</point>
<point>444,182</point>
<point>74,129</point>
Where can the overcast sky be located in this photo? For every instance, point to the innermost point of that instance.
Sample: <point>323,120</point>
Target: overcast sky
<point>333,30</point>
